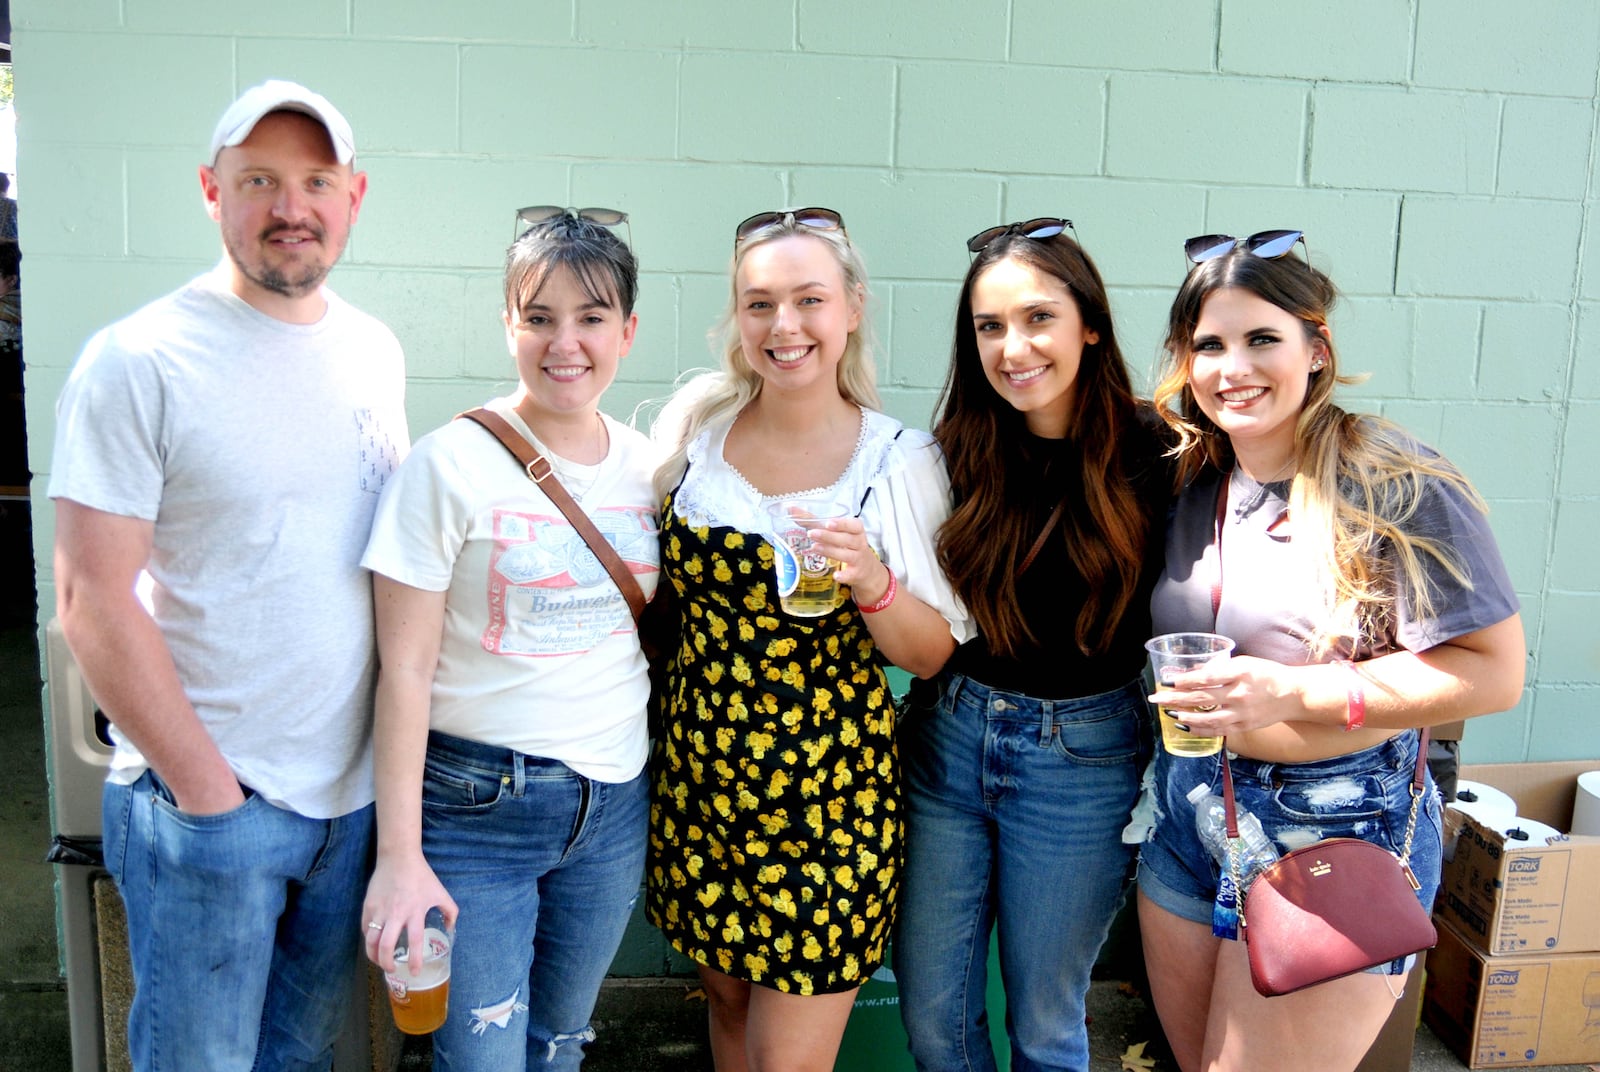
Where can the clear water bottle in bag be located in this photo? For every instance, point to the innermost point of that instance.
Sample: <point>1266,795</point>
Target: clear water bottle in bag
<point>1253,849</point>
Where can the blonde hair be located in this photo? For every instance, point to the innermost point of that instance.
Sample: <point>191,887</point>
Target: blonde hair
<point>1358,480</point>
<point>720,394</point>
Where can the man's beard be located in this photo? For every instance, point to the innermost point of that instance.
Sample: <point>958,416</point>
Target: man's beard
<point>309,274</point>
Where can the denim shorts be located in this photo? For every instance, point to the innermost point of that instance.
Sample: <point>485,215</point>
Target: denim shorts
<point>1365,794</point>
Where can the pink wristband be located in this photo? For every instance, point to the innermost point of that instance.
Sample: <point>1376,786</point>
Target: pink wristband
<point>1355,704</point>
<point>883,600</point>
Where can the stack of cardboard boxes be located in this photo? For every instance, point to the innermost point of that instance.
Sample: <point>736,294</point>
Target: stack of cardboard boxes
<point>1515,979</point>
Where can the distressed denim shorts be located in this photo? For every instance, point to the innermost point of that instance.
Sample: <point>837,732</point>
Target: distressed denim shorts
<point>1365,794</point>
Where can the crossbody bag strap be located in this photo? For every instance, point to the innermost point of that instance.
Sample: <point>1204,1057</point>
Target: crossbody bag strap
<point>542,473</point>
<point>1418,777</point>
<point>1044,534</point>
<point>1418,786</point>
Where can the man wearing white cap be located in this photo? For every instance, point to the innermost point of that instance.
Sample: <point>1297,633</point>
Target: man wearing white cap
<point>221,450</point>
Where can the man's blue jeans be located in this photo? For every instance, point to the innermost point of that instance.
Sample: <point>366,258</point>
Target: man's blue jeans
<point>243,927</point>
<point>545,866</point>
<point>1015,811</point>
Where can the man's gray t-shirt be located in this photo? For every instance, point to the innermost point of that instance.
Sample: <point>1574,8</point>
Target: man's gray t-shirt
<point>258,449</point>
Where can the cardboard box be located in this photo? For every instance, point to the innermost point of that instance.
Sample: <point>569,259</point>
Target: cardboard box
<point>1513,1011</point>
<point>1391,1050</point>
<point>1513,898</point>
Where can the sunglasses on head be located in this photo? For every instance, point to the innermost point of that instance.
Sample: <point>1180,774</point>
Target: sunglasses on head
<point>818,219</point>
<point>1264,244</point>
<point>1040,229</point>
<point>533,215</point>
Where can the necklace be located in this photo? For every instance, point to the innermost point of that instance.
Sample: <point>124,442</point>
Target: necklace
<point>1251,503</point>
<point>577,477</point>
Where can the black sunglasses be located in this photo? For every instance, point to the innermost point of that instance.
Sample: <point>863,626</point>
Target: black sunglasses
<point>1267,245</point>
<point>1040,229</point>
<point>818,219</point>
<point>533,215</point>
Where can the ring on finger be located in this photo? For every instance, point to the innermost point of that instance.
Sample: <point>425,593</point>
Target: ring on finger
<point>374,926</point>
<point>1206,708</point>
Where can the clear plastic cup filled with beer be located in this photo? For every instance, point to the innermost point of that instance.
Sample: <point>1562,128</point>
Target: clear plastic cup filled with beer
<point>420,1000</point>
<point>805,581</point>
<point>1172,654</point>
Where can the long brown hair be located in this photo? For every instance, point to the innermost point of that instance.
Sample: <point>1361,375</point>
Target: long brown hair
<point>1358,479</point>
<point>983,543</point>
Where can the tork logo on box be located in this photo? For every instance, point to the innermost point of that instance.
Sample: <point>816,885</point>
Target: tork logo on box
<point>1504,976</point>
<point>1525,865</point>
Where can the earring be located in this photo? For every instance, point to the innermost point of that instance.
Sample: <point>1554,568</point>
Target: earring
<point>1317,364</point>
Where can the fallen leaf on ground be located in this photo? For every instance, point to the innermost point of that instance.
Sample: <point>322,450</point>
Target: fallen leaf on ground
<point>1134,1060</point>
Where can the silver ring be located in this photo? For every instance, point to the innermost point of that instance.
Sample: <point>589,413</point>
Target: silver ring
<point>374,926</point>
<point>1206,708</point>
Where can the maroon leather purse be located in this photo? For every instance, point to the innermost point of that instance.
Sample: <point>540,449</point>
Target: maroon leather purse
<point>1331,909</point>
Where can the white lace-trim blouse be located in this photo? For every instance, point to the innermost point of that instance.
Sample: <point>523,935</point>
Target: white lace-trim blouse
<point>895,480</point>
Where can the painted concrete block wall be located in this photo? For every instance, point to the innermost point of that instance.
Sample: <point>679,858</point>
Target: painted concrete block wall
<point>1439,154</point>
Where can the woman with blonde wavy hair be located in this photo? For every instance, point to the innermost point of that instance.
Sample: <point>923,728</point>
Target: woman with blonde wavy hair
<point>1356,573</point>
<point>775,825</point>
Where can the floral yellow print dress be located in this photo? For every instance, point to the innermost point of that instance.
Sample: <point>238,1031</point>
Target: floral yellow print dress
<point>775,821</point>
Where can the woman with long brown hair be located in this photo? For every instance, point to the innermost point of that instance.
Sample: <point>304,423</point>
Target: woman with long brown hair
<point>1021,777</point>
<point>1355,571</point>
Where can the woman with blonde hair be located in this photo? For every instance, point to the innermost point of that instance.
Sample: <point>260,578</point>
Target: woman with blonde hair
<point>1355,571</point>
<point>775,825</point>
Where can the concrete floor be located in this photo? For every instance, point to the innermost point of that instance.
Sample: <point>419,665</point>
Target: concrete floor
<point>644,1025</point>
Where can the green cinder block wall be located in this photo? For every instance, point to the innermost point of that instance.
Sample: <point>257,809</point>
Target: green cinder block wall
<point>1439,154</point>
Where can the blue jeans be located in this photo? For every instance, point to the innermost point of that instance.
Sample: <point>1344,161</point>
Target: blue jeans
<point>1365,794</point>
<point>1015,811</point>
<point>545,866</point>
<point>244,929</point>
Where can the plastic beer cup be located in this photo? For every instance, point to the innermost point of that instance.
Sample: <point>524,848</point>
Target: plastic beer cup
<point>419,1002</point>
<point>1172,654</point>
<point>805,581</point>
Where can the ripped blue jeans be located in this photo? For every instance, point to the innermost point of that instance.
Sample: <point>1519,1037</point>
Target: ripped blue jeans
<point>545,866</point>
<point>1365,794</point>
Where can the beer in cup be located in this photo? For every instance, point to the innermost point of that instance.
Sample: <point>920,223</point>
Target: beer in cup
<point>419,1002</point>
<point>805,581</point>
<point>1177,653</point>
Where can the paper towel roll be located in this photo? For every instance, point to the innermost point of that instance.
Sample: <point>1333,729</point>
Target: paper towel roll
<point>1586,811</point>
<point>1483,802</point>
<point>1519,830</point>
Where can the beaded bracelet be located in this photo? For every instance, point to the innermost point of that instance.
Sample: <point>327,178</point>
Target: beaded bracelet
<point>883,600</point>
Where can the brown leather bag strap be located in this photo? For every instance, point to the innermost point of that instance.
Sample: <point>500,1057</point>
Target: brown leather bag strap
<point>1044,534</point>
<point>540,471</point>
<point>1418,776</point>
<point>1418,786</point>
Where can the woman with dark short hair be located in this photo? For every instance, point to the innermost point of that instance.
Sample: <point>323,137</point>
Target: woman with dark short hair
<point>510,736</point>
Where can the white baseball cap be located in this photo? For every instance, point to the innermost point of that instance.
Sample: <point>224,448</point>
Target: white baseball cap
<point>280,96</point>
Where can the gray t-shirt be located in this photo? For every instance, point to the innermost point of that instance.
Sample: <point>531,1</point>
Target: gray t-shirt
<point>1270,606</point>
<point>258,449</point>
